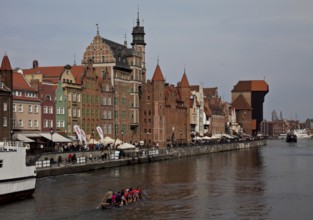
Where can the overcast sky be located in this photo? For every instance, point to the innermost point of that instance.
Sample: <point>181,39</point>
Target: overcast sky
<point>218,42</point>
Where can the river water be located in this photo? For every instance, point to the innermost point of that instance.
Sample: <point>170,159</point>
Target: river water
<point>270,182</point>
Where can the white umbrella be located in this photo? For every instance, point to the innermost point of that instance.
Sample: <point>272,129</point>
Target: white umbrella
<point>198,138</point>
<point>107,140</point>
<point>216,136</point>
<point>206,138</point>
<point>126,146</point>
<point>93,141</point>
<point>118,141</point>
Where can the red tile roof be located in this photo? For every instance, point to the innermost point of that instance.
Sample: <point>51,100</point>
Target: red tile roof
<point>20,83</point>
<point>251,85</point>
<point>23,98</point>
<point>210,92</point>
<point>157,76</point>
<point>184,81</point>
<point>48,72</point>
<point>53,73</point>
<point>5,65</point>
<point>77,72</point>
<point>195,88</point>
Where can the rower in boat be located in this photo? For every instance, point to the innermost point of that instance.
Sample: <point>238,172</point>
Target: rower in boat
<point>125,197</point>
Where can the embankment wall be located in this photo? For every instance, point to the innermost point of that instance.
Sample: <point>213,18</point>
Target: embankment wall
<point>96,161</point>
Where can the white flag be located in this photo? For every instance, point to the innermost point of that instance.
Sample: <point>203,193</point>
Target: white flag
<point>83,135</point>
<point>78,133</point>
<point>100,132</point>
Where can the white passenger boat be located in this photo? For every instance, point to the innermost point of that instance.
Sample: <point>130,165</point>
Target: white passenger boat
<point>282,136</point>
<point>17,180</point>
<point>301,133</point>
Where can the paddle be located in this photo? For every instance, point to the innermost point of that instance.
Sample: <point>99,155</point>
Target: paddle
<point>101,202</point>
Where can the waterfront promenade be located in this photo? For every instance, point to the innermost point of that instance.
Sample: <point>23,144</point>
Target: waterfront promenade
<point>52,164</point>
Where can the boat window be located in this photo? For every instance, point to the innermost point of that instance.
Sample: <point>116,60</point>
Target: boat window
<point>1,163</point>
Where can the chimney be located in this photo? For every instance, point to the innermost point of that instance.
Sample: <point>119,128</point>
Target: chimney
<point>35,64</point>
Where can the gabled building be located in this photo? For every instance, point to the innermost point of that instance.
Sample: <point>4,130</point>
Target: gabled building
<point>47,96</point>
<point>107,105</point>
<point>126,69</point>
<point>197,93</point>
<point>152,111</point>
<point>27,112</point>
<point>60,110</point>
<point>165,111</point>
<point>216,117</point>
<point>193,116</point>
<point>70,79</point>
<point>91,101</point>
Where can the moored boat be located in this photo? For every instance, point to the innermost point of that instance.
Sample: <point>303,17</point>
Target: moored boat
<point>17,180</point>
<point>291,137</point>
<point>301,133</point>
<point>282,136</point>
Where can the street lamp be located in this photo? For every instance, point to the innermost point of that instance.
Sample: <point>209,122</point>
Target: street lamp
<point>173,135</point>
<point>51,133</point>
<point>122,136</point>
<point>93,137</point>
<point>12,132</point>
<point>181,140</point>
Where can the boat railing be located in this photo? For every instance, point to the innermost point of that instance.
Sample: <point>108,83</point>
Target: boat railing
<point>10,145</point>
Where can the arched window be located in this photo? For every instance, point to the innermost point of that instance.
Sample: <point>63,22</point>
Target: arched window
<point>48,98</point>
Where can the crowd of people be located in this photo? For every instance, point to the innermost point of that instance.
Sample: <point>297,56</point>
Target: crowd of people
<point>123,197</point>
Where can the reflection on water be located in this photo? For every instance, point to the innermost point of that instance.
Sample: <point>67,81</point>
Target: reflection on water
<point>260,183</point>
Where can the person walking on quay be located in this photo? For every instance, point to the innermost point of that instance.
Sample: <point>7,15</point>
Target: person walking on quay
<point>69,157</point>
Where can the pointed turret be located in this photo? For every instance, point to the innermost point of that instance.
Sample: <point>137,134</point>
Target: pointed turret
<point>184,83</point>
<point>184,92</point>
<point>157,76</point>
<point>5,65</point>
<point>6,99</point>
<point>6,72</point>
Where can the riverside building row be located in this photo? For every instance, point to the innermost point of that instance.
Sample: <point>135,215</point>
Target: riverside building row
<point>110,89</point>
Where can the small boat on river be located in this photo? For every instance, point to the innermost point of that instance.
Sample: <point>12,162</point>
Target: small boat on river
<point>17,179</point>
<point>282,136</point>
<point>118,200</point>
<point>291,137</point>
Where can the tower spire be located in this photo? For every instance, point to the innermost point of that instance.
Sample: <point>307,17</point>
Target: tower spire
<point>97,29</point>
<point>138,21</point>
<point>125,40</point>
<point>138,33</point>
